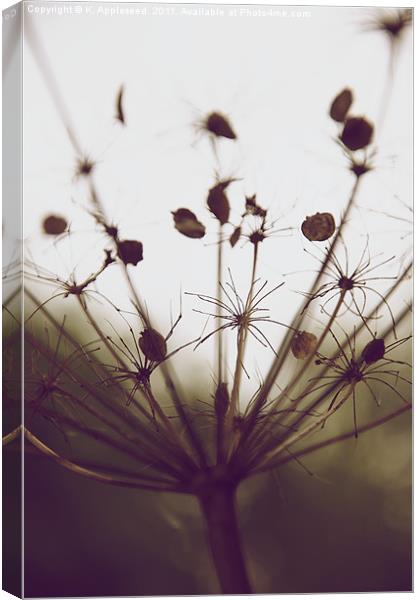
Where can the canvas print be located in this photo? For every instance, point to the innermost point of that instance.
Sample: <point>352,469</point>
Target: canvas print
<point>207,299</point>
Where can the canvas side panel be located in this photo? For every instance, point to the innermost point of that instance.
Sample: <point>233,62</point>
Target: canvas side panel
<point>12,301</point>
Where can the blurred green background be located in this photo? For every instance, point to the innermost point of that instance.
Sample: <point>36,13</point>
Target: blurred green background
<point>346,529</point>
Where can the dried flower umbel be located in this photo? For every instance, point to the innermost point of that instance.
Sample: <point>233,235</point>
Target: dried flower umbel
<point>125,397</point>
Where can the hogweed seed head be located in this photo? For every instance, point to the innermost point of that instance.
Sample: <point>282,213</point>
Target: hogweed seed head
<point>164,434</point>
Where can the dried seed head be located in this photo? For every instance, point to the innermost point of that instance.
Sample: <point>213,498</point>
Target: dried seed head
<point>341,105</point>
<point>152,345</point>
<point>218,125</point>
<point>218,203</point>
<point>84,167</point>
<point>357,133</point>
<point>394,25</point>
<point>318,227</point>
<point>235,236</point>
<point>373,351</point>
<point>360,168</point>
<point>54,225</point>
<point>252,208</point>
<point>346,283</point>
<point>130,252</point>
<point>187,223</point>
<point>257,236</point>
<point>303,344</point>
<point>222,400</point>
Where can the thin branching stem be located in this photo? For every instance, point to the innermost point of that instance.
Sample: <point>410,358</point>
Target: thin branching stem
<point>284,349</point>
<point>248,430</point>
<point>219,348</point>
<point>241,343</point>
<point>332,441</point>
<point>95,475</point>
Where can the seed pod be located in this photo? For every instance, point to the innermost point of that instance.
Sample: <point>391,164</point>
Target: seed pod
<point>303,344</point>
<point>84,167</point>
<point>235,236</point>
<point>318,227</point>
<point>373,351</point>
<point>357,133</point>
<point>152,345</point>
<point>120,115</point>
<point>218,203</point>
<point>252,208</point>
<point>341,105</point>
<point>222,400</point>
<point>187,223</point>
<point>130,252</point>
<point>54,225</point>
<point>219,126</point>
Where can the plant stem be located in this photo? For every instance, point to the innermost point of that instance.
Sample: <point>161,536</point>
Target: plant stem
<point>241,344</point>
<point>248,431</point>
<point>219,511</point>
<point>284,349</point>
<point>219,348</point>
<point>334,440</point>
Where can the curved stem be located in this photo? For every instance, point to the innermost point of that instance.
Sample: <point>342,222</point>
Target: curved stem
<point>97,476</point>
<point>219,511</point>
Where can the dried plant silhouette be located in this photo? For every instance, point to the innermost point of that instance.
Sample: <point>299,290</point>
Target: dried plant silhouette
<point>119,391</point>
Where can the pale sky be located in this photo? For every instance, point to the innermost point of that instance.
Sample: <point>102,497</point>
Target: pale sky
<point>275,77</point>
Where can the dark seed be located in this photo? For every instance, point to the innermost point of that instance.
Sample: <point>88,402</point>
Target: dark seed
<point>341,105</point>
<point>318,227</point>
<point>235,236</point>
<point>252,208</point>
<point>303,344</point>
<point>152,345</point>
<point>373,351</point>
<point>218,203</point>
<point>54,225</point>
<point>219,126</point>
<point>357,133</point>
<point>130,252</point>
<point>187,223</point>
